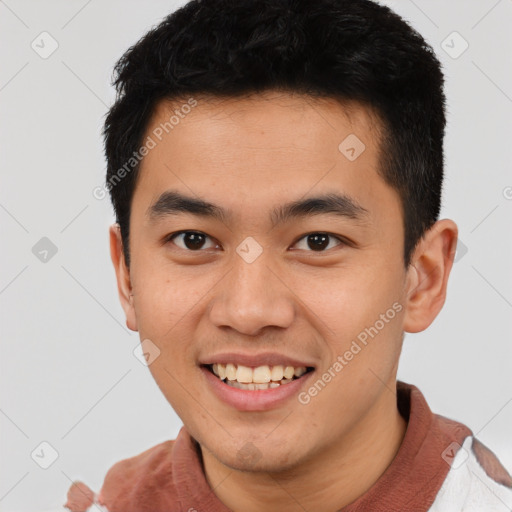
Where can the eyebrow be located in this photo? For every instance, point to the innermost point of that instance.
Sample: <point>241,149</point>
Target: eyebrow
<point>173,202</point>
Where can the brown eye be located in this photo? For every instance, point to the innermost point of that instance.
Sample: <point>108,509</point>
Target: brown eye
<point>190,240</point>
<point>317,242</point>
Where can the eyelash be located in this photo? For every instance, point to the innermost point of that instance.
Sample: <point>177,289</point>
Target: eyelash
<point>342,241</point>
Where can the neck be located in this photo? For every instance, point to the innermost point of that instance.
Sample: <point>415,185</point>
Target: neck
<point>329,481</point>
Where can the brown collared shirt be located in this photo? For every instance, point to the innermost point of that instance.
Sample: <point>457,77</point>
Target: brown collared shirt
<point>440,467</point>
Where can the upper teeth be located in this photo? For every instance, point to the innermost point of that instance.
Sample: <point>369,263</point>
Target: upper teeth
<point>258,375</point>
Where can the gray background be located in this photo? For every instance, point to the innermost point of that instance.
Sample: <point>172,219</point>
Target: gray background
<point>68,373</point>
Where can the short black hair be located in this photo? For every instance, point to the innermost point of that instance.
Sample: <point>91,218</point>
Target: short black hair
<point>349,50</point>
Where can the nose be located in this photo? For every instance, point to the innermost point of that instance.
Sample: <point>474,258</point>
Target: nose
<point>252,296</point>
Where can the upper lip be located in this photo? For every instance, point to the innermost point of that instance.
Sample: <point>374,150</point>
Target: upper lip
<point>254,360</point>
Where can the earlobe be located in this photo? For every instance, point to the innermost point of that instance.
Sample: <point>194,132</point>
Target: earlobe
<point>427,276</point>
<point>124,285</point>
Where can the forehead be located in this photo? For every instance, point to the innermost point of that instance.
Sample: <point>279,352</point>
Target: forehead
<point>266,147</point>
<point>297,119</point>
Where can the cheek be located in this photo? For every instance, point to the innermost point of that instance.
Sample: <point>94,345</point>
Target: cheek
<point>173,384</point>
<point>163,298</point>
<point>363,317</point>
<point>349,299</point>
<point>158,310</point>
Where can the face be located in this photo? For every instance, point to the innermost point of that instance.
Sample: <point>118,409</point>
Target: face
<point>250,281</point>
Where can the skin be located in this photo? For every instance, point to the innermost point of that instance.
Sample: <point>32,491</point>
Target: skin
<point>250,155</point>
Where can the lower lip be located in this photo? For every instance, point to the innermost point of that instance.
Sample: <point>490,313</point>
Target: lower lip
<point>257,400</point>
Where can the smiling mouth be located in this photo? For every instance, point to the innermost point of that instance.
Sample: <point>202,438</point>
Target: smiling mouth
<point>259,378</point>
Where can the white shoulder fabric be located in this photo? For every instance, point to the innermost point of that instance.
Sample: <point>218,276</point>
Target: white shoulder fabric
<point>467,488</point>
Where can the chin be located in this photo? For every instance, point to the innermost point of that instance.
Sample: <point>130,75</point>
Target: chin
<point>259,462</point>
<point>259,455</point>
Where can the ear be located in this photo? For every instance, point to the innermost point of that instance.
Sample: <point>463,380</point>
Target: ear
<point>124,286</point>
<point>427,276</point>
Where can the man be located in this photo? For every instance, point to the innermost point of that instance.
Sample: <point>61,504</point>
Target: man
<point>276,168</point>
